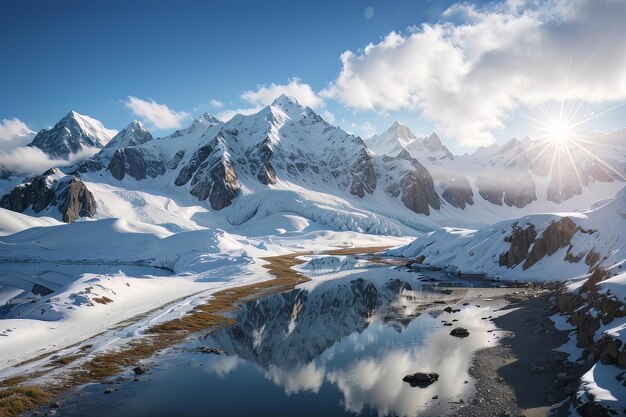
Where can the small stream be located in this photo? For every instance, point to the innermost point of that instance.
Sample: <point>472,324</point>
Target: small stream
<point>338,345</point>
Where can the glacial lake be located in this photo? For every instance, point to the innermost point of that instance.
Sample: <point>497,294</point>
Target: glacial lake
<point>336,346</point>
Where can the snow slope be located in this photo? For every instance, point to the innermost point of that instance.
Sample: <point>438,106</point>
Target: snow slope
<point>600,230</point>
<point>12,222</point>
<point>63,283</point>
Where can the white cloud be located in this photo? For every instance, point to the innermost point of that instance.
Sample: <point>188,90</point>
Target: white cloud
<point>226,115</point>
<point>14,133</point>
<point>217,104</point>
<point>328,116</point>
<point>302,92</point>
<point>16,157</point>
<point>297,379</point>
<point>31,160</point>
<point>363,129</point>
<point>264,95</point>
<point>470,76</point>
<point>159,115</point>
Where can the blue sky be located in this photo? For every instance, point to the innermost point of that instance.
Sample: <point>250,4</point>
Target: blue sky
<point>91,56</point>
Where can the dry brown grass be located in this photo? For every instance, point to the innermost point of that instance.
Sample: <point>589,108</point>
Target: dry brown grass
<point>15,399</point>
<point>102,300</point>
<point>65,360</point>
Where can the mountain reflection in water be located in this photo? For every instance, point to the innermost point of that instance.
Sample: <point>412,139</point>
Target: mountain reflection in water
<point>330,347</point>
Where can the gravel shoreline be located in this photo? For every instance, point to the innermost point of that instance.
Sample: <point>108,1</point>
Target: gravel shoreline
<point>523,375</point>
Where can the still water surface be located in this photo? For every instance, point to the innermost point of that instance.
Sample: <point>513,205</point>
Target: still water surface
<point>338,345</point>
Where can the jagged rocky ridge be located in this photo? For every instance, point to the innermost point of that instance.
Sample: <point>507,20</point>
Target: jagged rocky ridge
<point>286,146</point>
<point>284,141</point>
<point>67,193</point>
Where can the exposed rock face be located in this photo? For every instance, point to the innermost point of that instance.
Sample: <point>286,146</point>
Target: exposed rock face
<point>457,190</point>
<point>70,135</point>
<point>173,163</point>
<point>519,189</point>
<point>37,194</point>
<point>521,241</point>
<point>212,174</point>
<point>130,137</point>
<point>76,201</point>
<point>137,162</point>
<point>556,236</point>
<point>589,310</point>
<point>68,193</point>
<point>408,179</point>
<point>266,174</point>
<point>512,185</point>
<point>569,181</point>
<point>363,175</point>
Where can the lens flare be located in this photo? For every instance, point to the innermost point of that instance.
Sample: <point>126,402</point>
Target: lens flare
<point>561,146</point>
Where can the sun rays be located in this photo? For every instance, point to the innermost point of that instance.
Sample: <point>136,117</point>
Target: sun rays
<point>561,149</point>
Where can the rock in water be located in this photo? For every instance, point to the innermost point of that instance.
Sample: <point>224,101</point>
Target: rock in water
<point>421,379</point>
<point>139,370</point>
<point>459,332</point>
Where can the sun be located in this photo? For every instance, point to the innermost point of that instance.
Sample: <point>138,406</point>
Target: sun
<point>559,132</point>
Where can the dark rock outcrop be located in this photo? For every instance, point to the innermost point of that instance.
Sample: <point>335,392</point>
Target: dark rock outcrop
<point>513,187</point>
<point>266,174</point>
<point>556,236</point>
<point>68,193</point>
<point>408,179</point>
<point>457,190</point>
<point>212,174</point>
<point>589,310</point>
<point>521,241</point>
<point>363,175</point>
<point>173,163</point>
<point>137,162</point>
<point>76,201</point>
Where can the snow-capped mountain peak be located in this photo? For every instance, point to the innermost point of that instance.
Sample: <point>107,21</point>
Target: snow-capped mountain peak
<point>73,132</point>
<point>208,118</point>
<point>434,145</point>
<point>133,134</point>
<point>286,102</point>
<point>395,139</point>
<point>198,126</point>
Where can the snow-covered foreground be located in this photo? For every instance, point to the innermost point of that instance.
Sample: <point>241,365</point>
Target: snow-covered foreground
<point>65,283</point>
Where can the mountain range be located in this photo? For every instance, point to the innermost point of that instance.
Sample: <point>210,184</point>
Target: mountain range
<point>287,159</point>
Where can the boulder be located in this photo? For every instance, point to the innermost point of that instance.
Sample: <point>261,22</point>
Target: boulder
<point>421,379</point>
<point>460,332</point>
